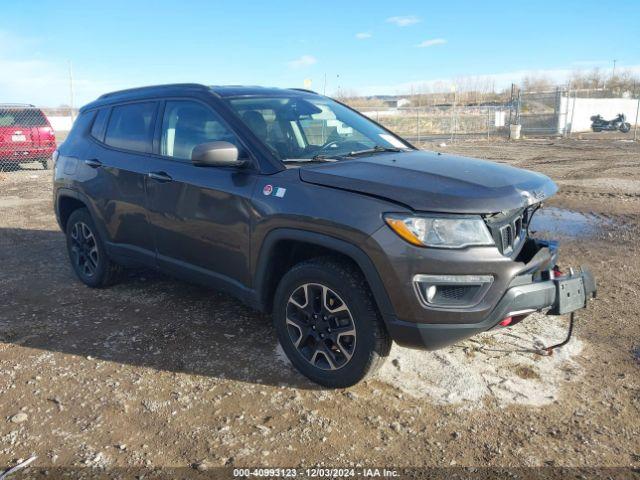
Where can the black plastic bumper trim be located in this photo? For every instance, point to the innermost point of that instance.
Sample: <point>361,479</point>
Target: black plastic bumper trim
<point>532,296</point>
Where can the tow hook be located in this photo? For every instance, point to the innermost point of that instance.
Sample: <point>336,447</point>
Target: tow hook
<point>548,351</point>
<point>589,290</point>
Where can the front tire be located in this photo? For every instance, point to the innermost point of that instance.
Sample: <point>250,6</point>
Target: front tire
<point>625,127</point>
<point>327,323</point>
<point>87,252</point>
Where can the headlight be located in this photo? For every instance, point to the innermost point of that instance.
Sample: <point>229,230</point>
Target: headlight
<point>442,232</point>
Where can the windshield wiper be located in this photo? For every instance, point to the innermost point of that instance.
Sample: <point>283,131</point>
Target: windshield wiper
<point>376,149</point>
<point>314,159</point>
<point>334,158</point>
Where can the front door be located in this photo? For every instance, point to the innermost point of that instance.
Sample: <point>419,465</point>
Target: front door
<point>201,216</point>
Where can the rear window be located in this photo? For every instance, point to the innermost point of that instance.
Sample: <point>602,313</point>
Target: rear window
<point>130,126</point>
<point>97,130</point>
<point>80,127</point>
<point>28,117</point>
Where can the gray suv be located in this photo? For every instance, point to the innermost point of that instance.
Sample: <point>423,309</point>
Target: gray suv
<point>303,208</point>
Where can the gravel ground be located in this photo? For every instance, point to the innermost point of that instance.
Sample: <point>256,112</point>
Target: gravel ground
<point>157,373</point>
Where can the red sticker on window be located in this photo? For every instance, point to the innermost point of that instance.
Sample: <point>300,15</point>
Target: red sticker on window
<point>267,189</point>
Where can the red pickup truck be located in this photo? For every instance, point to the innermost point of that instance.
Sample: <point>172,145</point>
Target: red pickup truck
<point>25,135</point>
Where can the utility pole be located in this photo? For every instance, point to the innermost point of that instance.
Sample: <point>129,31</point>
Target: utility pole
<point>71,91</point>
<point>635,130</point>
<point>418,116</point>
<point>613,73</point>
<point>573,111</point>
<point>453,113</point>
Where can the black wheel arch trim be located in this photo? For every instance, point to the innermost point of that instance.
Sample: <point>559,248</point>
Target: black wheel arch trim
<point>350,250</point>
<point>75,194</point>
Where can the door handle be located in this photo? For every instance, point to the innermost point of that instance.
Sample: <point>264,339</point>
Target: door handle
<point>93,163</point>
<point>160,176</point>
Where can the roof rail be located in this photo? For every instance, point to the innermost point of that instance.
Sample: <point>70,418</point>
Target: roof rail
<point>17,105</point>
<point>304,90</point>
<point>151,87</point>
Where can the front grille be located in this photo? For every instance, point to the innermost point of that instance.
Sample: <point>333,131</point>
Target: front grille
<point>509,230</point>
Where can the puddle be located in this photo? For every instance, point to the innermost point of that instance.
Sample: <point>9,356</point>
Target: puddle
<point>560,222</point>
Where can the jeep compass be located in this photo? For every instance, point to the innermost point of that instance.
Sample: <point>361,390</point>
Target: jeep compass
<point>349,236</point>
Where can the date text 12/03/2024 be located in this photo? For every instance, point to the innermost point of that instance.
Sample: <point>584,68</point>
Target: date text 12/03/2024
<point>315,472</point>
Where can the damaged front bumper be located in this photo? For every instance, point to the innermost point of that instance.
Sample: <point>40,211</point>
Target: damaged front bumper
<point>540,286</point>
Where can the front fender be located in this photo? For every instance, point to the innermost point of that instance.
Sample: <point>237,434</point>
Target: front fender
<point>343,247</point>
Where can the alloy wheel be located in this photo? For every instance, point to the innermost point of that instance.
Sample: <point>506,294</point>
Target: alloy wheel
<point>320,326</point>
<point>84,249</point>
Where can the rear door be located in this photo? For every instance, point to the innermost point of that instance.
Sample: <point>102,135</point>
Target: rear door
<point>115,170</point>
<point>201,215</point>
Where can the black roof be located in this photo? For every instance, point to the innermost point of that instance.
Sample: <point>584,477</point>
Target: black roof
<point>181,88</point>
<point>250,91</point>
<point>154,89</point>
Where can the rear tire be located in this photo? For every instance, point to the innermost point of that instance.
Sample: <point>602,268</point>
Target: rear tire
<point>46,163</point>
<point>87,252</point>
<point>327,323</point>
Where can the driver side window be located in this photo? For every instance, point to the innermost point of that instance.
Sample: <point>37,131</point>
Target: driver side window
<point>186,124</point>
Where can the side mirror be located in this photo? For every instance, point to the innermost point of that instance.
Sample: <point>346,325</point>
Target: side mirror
<point>216,154</point>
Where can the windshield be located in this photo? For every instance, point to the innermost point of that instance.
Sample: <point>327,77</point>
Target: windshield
<point>297,128</point>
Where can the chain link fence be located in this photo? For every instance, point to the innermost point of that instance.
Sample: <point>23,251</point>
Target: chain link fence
<point>559,112</point>
<point>443,122</point>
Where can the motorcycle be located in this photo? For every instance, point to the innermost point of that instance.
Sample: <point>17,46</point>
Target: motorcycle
<point>599,124</point>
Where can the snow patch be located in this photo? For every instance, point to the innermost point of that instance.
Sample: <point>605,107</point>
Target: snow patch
<point>501,365</point>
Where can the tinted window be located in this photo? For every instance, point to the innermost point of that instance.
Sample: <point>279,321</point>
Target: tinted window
<point>130,126</point>
<point>186,124</point>
<point>30,117</point>
<point>305,126</point>
<point>80,126</point>
<point>97,131</point>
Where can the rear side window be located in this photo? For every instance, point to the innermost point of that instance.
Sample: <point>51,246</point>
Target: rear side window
<point>130,126</point>
<point>80,126</point>
<point>100,123</point>
<point>28,117</point>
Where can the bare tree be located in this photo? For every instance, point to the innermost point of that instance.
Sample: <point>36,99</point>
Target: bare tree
<point>537,83</point>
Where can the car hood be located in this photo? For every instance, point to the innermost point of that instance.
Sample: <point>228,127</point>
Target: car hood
<point>435,182</point>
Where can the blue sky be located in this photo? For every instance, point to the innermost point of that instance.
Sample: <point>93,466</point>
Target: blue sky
<point>361,46</point>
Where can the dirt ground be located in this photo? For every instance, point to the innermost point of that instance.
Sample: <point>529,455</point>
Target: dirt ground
<point>157,373</point>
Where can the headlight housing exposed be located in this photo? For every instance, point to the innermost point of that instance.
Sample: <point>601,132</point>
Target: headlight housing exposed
<point>440,231</point>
